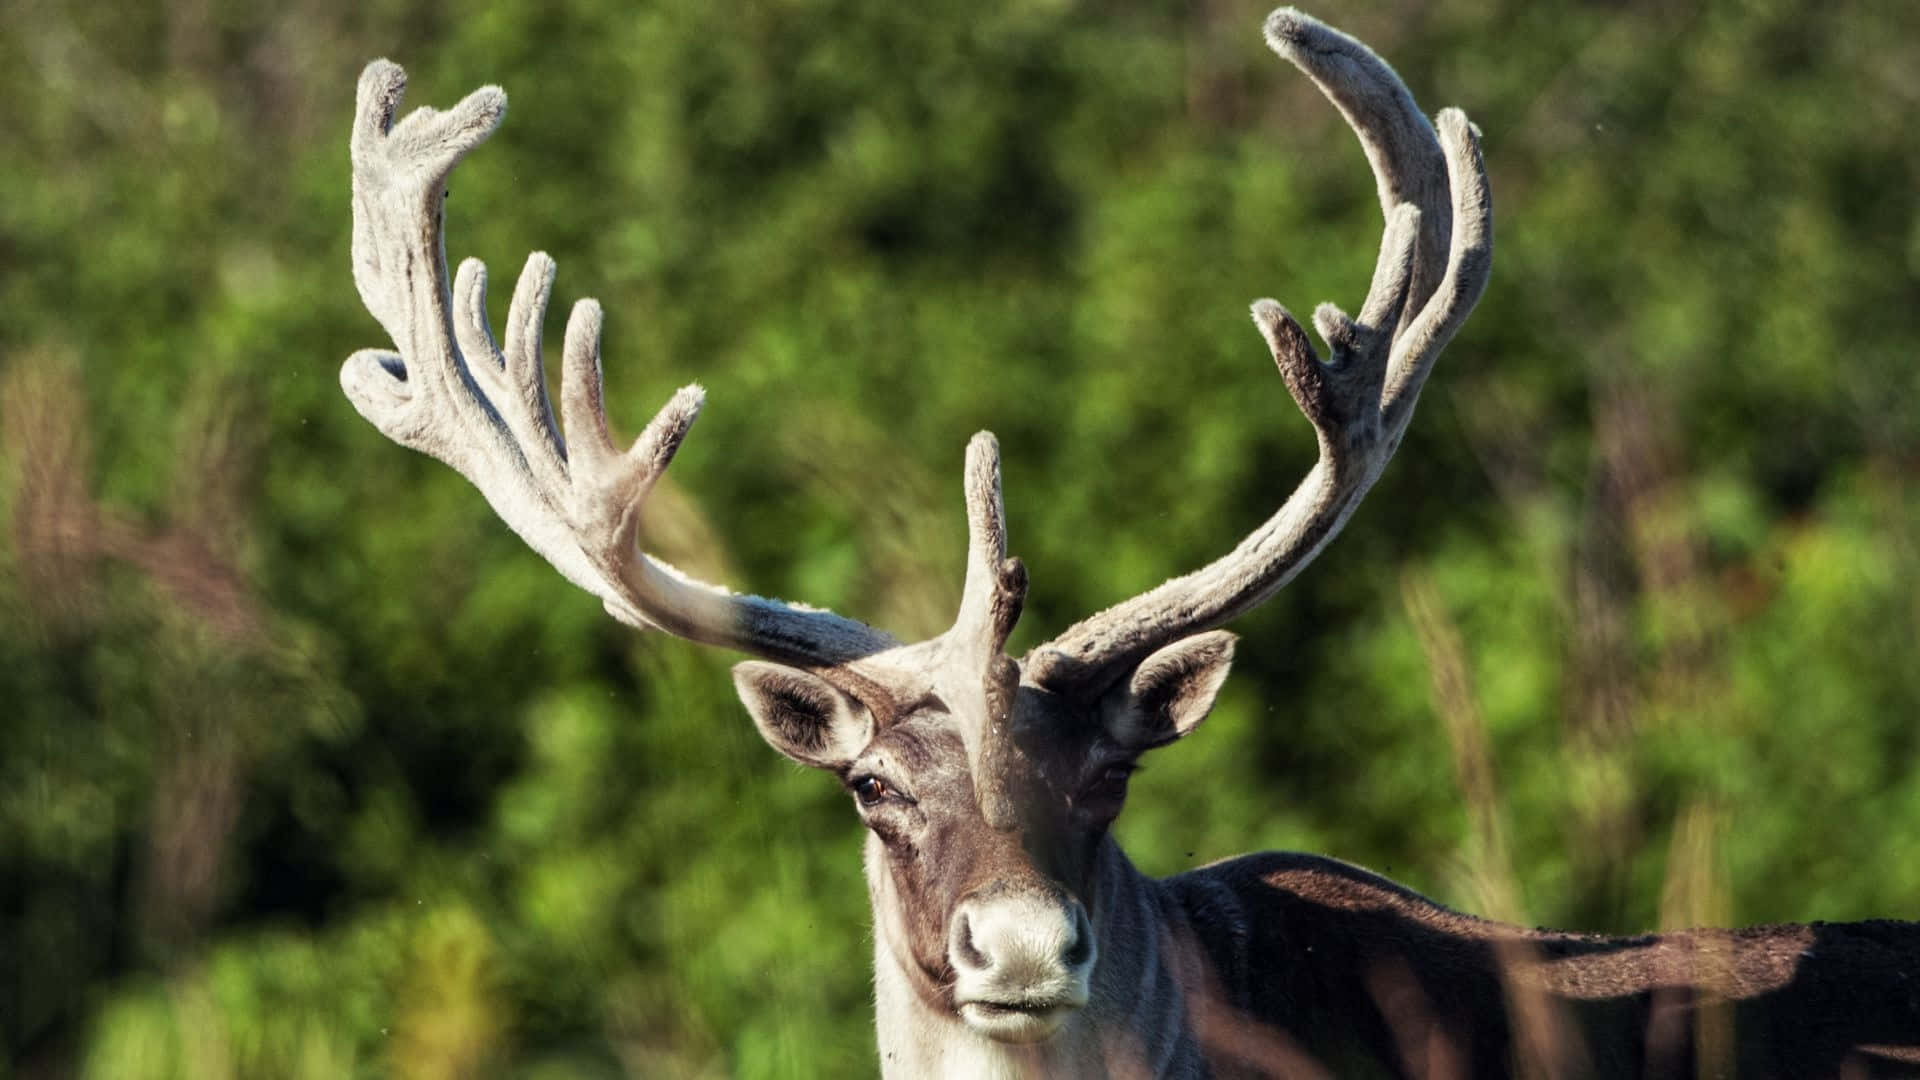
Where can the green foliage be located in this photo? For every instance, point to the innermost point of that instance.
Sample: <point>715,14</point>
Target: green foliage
<point>308,769</point>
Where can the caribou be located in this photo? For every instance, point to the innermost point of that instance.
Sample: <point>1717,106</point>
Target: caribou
<point>1012,936</point>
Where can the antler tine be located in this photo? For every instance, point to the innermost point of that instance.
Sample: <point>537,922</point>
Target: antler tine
<point>1435,255</point>
<point>980,683</point>
<point>574,499</point>
<point>1469,265</point>
<point>1408,165</point>
<point>996,586</point>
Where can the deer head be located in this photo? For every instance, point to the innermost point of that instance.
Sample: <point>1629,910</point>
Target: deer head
<point>988,783</point>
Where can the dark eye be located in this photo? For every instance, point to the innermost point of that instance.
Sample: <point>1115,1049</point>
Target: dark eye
<point>1112,781</point>
<point>870,790</point>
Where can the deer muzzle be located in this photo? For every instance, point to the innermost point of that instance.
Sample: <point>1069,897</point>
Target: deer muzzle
<point>1023,963</point>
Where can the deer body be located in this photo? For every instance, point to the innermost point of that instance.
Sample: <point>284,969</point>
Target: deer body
<point>1378,980</point>
<point>1011,935</point>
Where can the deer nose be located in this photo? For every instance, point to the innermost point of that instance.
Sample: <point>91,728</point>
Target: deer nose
<point>1022,952</point>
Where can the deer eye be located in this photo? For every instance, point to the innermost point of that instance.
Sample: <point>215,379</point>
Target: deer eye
<point>871,790</point>
<point>1112,781</point>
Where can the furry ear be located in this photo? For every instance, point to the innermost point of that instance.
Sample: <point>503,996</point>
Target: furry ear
<point>802,715</point>
<point>1170,692</point>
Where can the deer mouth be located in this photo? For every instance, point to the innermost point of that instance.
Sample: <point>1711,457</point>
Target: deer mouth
<point>1016,1022</point>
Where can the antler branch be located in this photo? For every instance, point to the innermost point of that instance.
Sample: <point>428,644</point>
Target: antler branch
<point>1435,256</point>
<point>453,392</point>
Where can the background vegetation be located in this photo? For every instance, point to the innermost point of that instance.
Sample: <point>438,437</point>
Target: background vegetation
<point>307,769</point>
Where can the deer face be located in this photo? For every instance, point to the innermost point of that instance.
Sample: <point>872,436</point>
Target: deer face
<point>986,839</point>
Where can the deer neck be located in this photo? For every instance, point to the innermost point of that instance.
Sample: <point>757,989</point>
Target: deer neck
<point>1135,1023</point>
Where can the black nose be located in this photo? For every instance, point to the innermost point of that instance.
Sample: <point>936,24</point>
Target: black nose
<point>960,948</point>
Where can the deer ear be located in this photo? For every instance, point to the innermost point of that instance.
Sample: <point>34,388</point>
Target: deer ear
<point>1170,692</point>
<point>802,715</point>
